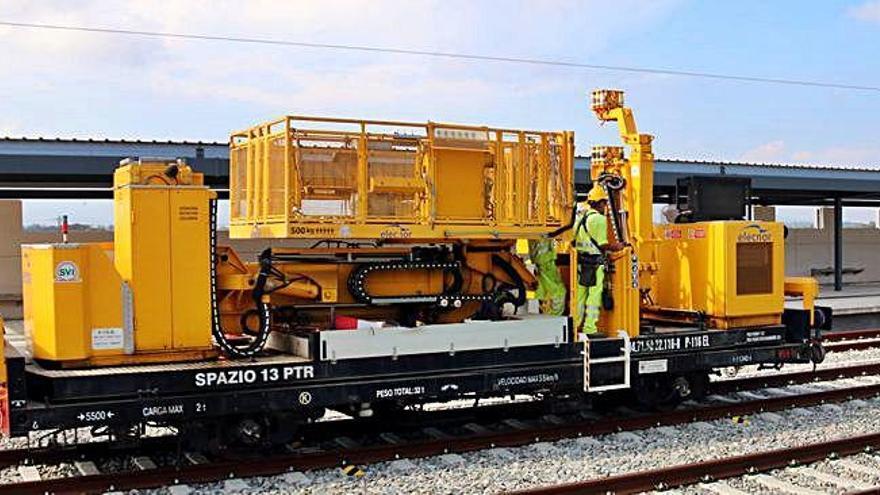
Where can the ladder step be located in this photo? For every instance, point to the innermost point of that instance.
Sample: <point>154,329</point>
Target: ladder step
<point>625,360</point>
<point>608,360</point>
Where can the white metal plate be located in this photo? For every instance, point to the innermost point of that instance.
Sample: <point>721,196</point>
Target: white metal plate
<point>653,366</point>
<point>449,337</point>
<point>107,338</point>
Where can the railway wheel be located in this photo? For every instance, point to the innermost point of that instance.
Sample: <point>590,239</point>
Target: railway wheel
<point>282,428</point>
<point>201,436</point>
<point>655,393</point>
<point>667,392</point>
<point>699,385</point>
<point>249,431</point>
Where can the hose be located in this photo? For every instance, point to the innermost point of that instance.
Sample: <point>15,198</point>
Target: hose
<point>567,226</point>
<point>519,283</point>
<point>613,183</point>
<point>263,308</point>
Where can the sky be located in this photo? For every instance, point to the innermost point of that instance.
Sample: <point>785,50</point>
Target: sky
<point>68,84</point>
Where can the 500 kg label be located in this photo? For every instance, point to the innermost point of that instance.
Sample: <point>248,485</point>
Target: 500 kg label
<point>247,377</point>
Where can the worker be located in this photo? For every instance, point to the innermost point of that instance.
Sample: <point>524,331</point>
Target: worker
<point>591,244</point>
<point>551,289</point>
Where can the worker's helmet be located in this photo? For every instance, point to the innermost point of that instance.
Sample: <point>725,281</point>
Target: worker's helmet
<point>596,194</point>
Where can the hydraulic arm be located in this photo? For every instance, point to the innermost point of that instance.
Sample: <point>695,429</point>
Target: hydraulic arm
<point>629,183</point>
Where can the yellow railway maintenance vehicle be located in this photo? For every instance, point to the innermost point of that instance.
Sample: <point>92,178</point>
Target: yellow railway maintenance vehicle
<point>398,283</point>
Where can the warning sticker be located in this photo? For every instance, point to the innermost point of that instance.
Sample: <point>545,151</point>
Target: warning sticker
<point>107,338</point>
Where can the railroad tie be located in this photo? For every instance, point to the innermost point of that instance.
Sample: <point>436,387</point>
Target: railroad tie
<point>451,460</point>
<point>346,443</point>
<point>402,466</point>
<point>195,458</point>
<point>28,473</point>
<point>778,392</point>
<point>476,428</point>
<point>722,488</point>
<point>780,486</point>
<point>235,485</point>
<point>392,438</point>
<point>435,433</point>
<point>553,419</point>
<point>856,467</point>
<point>179,490</point>
<point>846,483</point>
<point>516,424</point>
<point>722,398</point>
<point>296,478</point>
<point>750,395</point>
<point>143,463</point>
<point>589,415</point>
<point>86,468</point>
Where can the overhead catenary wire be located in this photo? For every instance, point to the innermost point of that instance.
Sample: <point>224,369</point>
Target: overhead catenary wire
<point>449,55</point>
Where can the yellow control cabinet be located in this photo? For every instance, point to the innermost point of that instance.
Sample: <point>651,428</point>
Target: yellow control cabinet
<point>162,239</point>
<point>731,271</point>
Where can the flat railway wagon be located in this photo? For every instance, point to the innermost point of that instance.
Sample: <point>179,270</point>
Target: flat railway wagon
<point>391,278</point>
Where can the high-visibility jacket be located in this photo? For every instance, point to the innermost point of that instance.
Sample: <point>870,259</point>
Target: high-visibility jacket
<point>591,232</point>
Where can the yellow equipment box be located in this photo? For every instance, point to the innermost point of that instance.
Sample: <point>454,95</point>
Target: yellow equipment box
<point>72,301</point>
<point>162,248</point>
<point>146,297</point>
<point>309,177</point>
<point>732,271</point>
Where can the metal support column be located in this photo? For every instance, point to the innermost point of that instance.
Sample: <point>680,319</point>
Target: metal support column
<point>838,244</point>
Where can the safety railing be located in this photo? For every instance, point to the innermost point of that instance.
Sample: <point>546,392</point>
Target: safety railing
<point>318,177</point>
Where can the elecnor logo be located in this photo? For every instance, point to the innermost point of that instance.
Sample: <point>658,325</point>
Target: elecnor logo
<point>754,233</point>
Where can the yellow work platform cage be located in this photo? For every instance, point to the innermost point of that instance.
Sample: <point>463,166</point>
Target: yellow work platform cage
<point>307,177</point>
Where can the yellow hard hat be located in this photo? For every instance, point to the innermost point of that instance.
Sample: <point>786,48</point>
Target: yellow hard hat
<point>596,194</point>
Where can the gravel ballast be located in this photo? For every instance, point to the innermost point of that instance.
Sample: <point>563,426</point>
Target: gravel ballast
<point>549,463</point>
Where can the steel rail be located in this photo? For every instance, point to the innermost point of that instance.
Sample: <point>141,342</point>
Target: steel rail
<point>852,340</point>
<point>276,464</point>
<point>715,469</point>
<point>800,377</point>
<point>866,333</point>
<point>852,345</point>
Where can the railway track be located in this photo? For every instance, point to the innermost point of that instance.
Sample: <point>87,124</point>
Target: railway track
<point>437,441</point>
<point>716,469</point>
<point>783,379</point>
<point>852,340</point>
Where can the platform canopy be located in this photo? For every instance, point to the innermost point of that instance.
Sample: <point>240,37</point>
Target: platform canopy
<point>772,184</point>
<point>82,168</point>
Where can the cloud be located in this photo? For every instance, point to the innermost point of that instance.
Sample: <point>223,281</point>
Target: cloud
<point>768,152</point>
<point>777,152</point>
<point>88,75</point>
<point>868,11</point>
